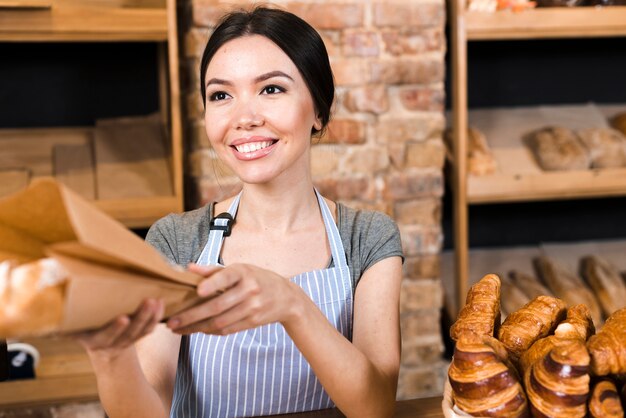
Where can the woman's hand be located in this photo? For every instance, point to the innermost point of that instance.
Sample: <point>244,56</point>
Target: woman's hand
<point>123,331</point>
<point>240,297</point>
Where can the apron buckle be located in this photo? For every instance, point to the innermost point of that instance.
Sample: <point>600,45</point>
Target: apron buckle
<point>225,225</point>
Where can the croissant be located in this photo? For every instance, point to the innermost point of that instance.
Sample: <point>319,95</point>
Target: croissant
<point>605,280</point>
<point>481,313</point>
<point>604,401</point>
<point>483,381</point>
<point>558,384</point>
<point>538,351</point>
<point>567,286</point>
<point>512,298</point>
<point>528,284</point>
<point>534,320</point>
<point>577,324</point>
<point>608,347</point>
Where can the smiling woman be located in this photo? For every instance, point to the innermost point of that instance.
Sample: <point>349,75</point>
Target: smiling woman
<point>301,293</point>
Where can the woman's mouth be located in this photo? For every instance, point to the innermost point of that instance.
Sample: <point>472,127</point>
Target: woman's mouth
<point>253,149</point>
<point>252,146</point>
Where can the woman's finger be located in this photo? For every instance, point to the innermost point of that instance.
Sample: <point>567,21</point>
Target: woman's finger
<point>104,337</point>
<point>219,282</point>
<point>222,323</point>
<point>139,321</point>
<point>205,271</point>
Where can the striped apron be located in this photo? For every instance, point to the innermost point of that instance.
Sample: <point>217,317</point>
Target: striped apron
<point>260,371</point>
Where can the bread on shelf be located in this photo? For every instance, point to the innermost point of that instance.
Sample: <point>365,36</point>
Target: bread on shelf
<point>606,281</point>
<point>529,284</point>
<point>567,286</point>
<point>483,381</point>
<point>604,400</point>
<point>607,147</point>
<point>608,347</point>
<point>557,148</point>
<point>619,122</point>
<point>480,159</point>
<point>557,385</point>
<point>533,321</point>
<point>481,313</point>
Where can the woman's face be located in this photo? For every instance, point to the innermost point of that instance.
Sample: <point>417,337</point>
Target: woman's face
<point>259,111</point>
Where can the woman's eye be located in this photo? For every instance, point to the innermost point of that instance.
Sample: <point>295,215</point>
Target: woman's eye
<point>272,89</point>
<point>218,95</point>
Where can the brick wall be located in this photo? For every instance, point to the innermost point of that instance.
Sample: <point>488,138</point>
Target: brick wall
<point>383,149</point>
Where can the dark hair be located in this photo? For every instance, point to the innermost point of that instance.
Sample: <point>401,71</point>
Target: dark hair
<point>302,44</point>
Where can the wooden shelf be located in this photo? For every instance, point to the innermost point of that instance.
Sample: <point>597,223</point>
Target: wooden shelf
<point>140,212</point>
<point>64,374</point>
<point>547,23</point>
<point>83,23</point>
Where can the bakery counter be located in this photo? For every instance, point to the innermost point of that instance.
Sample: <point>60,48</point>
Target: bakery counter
<point>422,408</point>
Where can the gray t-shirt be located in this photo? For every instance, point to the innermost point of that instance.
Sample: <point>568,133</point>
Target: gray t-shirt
<point>367,237</point>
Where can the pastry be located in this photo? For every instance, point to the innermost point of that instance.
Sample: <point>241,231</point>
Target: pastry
<point>607,147</point>
<point>481,313</point>
<point>605,280</point>
<point>608,347</point>
<point>529,284</point>
<point>567,286</point>
<point>31,298</point>
<point>557,385</point>
<point>577,324</point>
<point>483,381</point>
<point>511,298</point>
<point>533,321</point>
<point>604,400</point>
<point>480,159</point>
<point>557,148</point>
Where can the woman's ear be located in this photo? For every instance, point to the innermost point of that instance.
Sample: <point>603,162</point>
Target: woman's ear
<point>317,125</point>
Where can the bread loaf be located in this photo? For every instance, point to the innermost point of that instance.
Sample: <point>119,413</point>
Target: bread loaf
<point>529,284</point>
<point>607,147</point>
<point>619,122</point>
<point>533,321</point>
<point>557,148</point>
<point>604,400</point>
<point>31,298</point>
<point>480,159</point>
<point>484,383</point>
<point>557,385</point>
<point>608,347</point>
<point>567,286</point>
<point>606,281</point>
<point>481,313</point>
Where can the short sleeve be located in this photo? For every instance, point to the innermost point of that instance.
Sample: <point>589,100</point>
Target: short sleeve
<point>380,240</point>
<point>162,236</point>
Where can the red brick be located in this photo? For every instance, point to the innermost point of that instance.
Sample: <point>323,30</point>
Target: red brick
<point>350,71</point>
<point>345,189</point>
<point>344,131</point>
<point>407,71</point>
<point>422,98</point>
<point>426,266</point>
<point>419,211</point>
<point>409,14</point>
<point>418,239</point>
<point>422,353</point>
<point>324,160</point>
<point>371,99</point>
<point>412,42</point>
<point>421,381</point>
<point>367,160</point>
<point>329,15</point>
<point>416,128</point>
<point>207,13</point>
<point>420,295</point>
<point>413,185</point>
<point>417,324</point>
<point>426,154</point>
<point>397,153</point>
<point>363,43</point>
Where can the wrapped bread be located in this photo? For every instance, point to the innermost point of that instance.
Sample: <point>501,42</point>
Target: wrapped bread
<point>567,286</point>
<point>512,298</point>
<point>533,321</point>
<point>607,147</point>
<point>480,159</point>
<point>557,148</point>
<point>481,313</point>
<point>604,400</point>
<point>483,381</point>
<point>608,347</point>
<point>31,298</point>
<point>557,385</point>
<point>606,281</point>
<point>529,284</point>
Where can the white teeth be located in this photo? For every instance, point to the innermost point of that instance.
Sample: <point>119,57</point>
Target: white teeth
<point>254,146</point>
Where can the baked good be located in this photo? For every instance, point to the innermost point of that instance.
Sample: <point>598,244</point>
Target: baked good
<point>577,324</point>
<point>535,320</point>
<point>529,284</point>
<point>607,147</point>
<point>567,286</point>
<point>606,281</point>
<point>483,381</point>
<point>604,400</point>
<point>608,347</point>
<point>481,313</point>
<point>619,122</point>
<point>557,148</point>
<point>557,385</point>
<point>511,298</point>
<point>480,159</point>
<point>31,298</point>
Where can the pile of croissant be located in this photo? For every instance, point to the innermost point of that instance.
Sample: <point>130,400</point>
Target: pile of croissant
<point>544,360</point>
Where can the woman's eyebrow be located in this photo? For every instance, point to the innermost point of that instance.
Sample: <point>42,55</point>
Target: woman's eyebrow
<point>272,74</point>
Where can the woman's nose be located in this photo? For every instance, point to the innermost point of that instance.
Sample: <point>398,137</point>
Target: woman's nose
<point>248,116</point>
